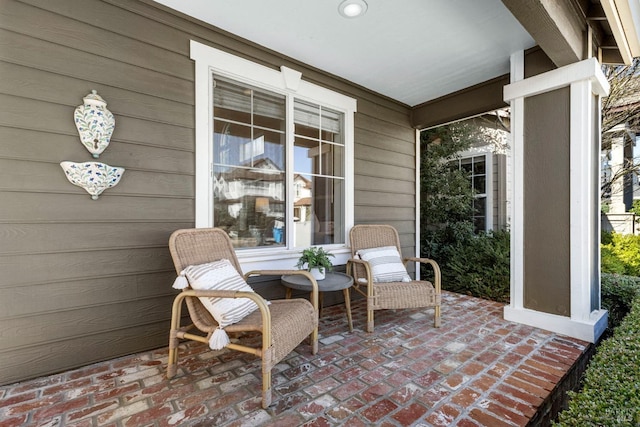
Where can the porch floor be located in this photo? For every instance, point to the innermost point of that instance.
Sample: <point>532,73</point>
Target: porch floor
<point>475,370</point>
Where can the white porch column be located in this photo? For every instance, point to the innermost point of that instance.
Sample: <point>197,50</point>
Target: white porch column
<point>555,258</point>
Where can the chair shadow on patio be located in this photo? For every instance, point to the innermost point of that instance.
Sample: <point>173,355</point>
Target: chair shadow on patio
<point>476,370</point>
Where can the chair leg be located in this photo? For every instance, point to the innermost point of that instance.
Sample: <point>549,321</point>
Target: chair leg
<point>176,310</point>
<point>369,320</point>
<point>172,365</point>
<point>436,320</point>
<point>267,357</point>
<point>266,389</point>
<point>347,305</point>
<point>314,341</point>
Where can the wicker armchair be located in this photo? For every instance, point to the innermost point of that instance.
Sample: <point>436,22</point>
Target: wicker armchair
<point>393,295</point>
<point>284,324</point>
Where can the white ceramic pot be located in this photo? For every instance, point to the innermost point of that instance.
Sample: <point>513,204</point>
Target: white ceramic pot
<point>317,273</point>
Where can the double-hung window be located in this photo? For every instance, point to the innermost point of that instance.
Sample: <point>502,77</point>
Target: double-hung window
<point>478,169</point>
<point>274,158</point>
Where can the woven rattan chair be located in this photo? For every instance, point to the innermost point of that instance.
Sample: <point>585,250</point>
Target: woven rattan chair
<point>284,324</point>
<point>393,295</point>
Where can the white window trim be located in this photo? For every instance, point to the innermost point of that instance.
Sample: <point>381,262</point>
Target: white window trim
<point>485,152</point>
<point>287,81</point>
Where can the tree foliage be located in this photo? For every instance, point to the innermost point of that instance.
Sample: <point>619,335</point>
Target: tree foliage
<point>472,263</point>
<point>620,107</point>
<point>445,191</point>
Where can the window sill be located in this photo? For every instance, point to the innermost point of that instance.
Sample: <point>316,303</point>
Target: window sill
<point>269,259</point>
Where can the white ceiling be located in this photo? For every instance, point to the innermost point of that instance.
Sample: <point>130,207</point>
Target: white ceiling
<point>412,51</point>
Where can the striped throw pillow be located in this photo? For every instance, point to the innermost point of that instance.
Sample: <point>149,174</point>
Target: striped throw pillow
<point>386,264</point>
<point>222,276</point>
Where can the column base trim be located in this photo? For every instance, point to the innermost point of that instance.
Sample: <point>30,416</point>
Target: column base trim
<point>589,330</point>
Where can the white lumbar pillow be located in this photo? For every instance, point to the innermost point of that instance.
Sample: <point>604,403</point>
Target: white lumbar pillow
<point>386,264</point>
<point>220,276</point>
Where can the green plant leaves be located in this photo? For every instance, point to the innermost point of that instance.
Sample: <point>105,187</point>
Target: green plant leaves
<point>315,256</point>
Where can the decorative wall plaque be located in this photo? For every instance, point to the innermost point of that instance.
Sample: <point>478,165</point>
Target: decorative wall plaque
<point>95,123</point>
<point>92,176</point>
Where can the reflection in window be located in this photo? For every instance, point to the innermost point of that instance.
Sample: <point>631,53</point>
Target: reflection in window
<point>319,164</point>
<point>249,163</point>
<point>249,169</point>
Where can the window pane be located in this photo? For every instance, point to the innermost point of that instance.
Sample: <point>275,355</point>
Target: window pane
<point>479,166</point>
<point>269,111</point>
<point>231,101</point>
<point>239,145</point>
<point>229,142</point>
<point>269,149</point>
<point>249,205</point>
<point>332,125</point>
<point>465,165</point>
<point>306,118</point>
<point>249,163</point>
<point>480,214</point>
<point>319,212</point>
<point>332,160</point>
<point>306,159</point>
<point>480,206</point>
<point>479,184</point>
<point>246,104</point>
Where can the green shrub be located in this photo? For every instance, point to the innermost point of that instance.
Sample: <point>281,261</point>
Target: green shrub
<point>606,237</point>
<point>620,251</point>
<point>635,207</point>
<point>472,263</point>
<point>478,265</point>
<point>611,391</point>
<point>609,261</point>
<point>617,293</point>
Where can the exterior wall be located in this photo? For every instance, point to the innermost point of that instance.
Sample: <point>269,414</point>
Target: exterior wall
<point>546,203</point>
<point>84,280</point>
<point>501,191</point>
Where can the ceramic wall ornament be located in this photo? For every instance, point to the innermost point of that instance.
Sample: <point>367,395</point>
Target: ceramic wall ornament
<point>92,176</point>
<point>95,123</point>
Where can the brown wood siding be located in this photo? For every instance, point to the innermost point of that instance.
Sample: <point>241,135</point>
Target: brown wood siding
<point>546,203</point>
<point>500,192</point>
<point>84,280</point>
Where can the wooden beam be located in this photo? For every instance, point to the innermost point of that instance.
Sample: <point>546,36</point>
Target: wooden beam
<point>556,26</point>
<point>615,21</point>
<point>608,42</point>
<point>462,104</point>
<point>596,13</point>
<point>612,56</point>
<point>475,100</point>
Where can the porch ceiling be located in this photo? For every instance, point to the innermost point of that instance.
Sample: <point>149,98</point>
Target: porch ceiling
<point>412,51</point>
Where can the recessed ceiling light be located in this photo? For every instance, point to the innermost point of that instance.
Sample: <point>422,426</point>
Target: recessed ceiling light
<point>352,8</point>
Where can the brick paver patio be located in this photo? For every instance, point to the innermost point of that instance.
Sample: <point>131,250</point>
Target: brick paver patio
<point>476,370</point>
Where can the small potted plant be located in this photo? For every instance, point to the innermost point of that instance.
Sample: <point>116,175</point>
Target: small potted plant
<point>316,260</point>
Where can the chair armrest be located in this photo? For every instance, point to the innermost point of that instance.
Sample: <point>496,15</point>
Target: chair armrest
<point>367,272</point>
<point>314,283</point>
<point>436,270</point>
<point>260,302</point>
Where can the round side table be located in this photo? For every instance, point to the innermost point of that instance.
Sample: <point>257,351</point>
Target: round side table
<point>331,282</point>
